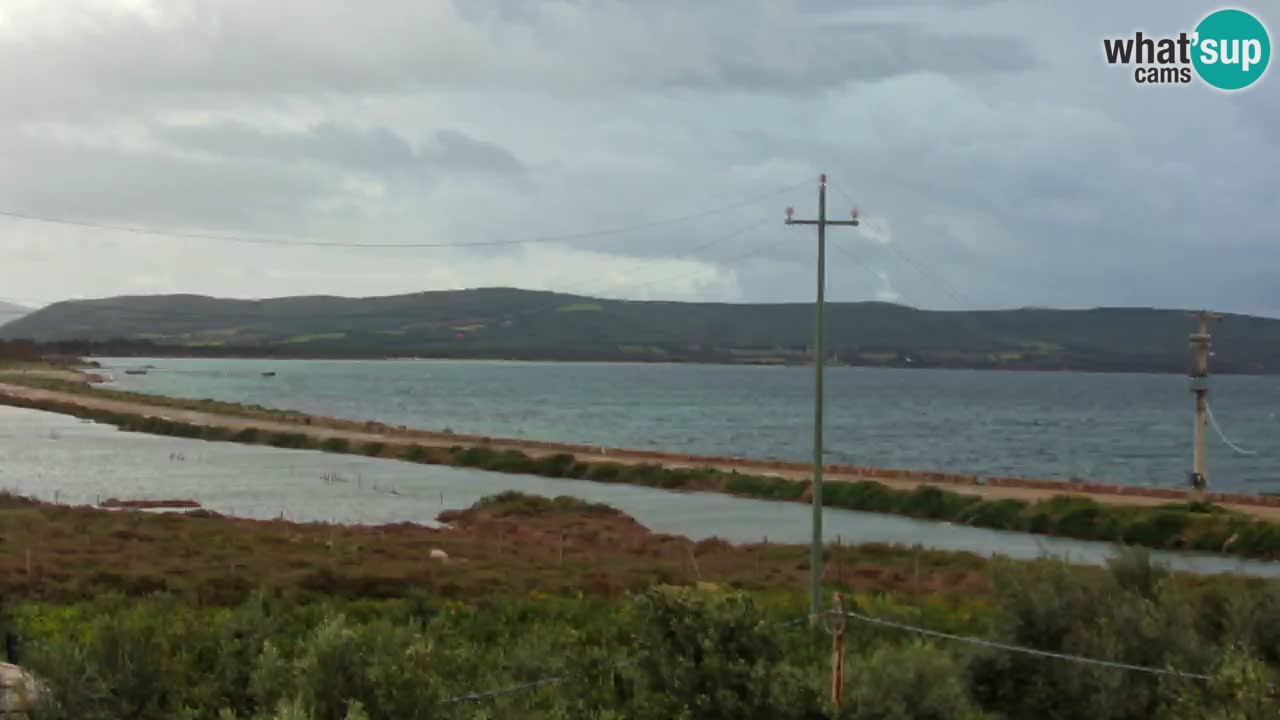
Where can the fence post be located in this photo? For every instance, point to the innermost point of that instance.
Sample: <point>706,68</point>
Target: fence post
<point>837,651</point>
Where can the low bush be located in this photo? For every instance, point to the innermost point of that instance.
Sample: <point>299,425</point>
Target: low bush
<point>296,441</point>
<point>336,445</point>
<point>247,435</point>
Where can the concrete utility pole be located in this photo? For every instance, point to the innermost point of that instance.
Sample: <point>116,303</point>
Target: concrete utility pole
<point>1200,386</point>
<point>815,555</point>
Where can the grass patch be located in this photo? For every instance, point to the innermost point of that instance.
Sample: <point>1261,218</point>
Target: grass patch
<point>315,337</point>
<point>580,307</point>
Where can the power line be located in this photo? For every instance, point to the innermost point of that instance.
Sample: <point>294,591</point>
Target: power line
<point>1023,650</point>
<point>1218,429</point>
<point>321,243</point>
<point>754,251</point>
<point>939,281</point>
<point>718,240</point>
<point>177,315</point>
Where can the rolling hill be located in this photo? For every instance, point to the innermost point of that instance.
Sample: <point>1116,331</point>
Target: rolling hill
<point>10,312</point>
<point>521,324</point>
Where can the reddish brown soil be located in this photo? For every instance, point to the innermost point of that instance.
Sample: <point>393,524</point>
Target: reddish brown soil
<point>59,552</point>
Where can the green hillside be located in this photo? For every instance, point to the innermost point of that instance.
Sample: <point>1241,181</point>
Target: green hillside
<point>509,323</point>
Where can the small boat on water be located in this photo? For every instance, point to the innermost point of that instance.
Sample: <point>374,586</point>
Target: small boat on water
<point>269,373</point>
<point>136,371</point>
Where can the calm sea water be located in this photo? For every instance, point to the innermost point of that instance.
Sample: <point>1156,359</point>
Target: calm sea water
<point>1132,429</point>
<point>59,458</point>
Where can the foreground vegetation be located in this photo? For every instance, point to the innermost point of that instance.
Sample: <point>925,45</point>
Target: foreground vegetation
<point>683,650</point>
<point>1175,526</point>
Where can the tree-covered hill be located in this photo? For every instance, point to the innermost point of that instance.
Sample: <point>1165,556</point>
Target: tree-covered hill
<point>521,324</point>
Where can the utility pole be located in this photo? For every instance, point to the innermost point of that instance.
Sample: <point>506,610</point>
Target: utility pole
<point>1200,386</point>
<point>815,553</point>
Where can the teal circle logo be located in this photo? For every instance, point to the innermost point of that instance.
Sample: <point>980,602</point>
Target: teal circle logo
<point>1232,49</point>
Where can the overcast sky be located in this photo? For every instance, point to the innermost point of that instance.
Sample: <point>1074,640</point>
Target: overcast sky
<point>998,161</point>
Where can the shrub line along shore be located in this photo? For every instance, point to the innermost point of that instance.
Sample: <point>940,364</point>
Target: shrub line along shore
<point>1164,519</point>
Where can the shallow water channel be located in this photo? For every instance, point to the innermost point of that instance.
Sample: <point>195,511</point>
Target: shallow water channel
<point>63,459</point>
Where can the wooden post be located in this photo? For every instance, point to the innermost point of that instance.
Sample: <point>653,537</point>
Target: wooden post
<point>916,569</point>
<point>837,651</point>
<point>694,561</point>
<point>815,549</point>
<point>1200,344</point>
<point>838,557</point>
<point>562,548</point>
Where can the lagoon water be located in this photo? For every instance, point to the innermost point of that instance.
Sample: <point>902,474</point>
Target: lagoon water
<point>59,458</point>
<point>1123,428</point>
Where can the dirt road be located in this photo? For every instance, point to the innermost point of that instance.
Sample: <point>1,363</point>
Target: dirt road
<point>325,428</point>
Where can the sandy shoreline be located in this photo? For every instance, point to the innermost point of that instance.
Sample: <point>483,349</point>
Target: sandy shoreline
<point>321,428</point>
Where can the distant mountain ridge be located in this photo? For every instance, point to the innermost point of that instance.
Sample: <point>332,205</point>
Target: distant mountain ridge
<point>10,312</point>
<point>524,324</point>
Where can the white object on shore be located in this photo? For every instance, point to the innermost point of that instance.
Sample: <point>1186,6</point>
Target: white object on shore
<point>438,554</point>
<point>19,690</point>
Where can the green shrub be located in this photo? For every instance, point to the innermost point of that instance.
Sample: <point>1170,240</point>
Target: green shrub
<point>1257,538</point>
<point>336,445</point>
<point>373,449</point>
<point>695,655</point>
<point>1081,522</point>
<point>476,456</point>
<point>247,435</point>
<point>1157,530</point>
<point>866,495</point>
<point>214,433</point>
<point>512,461</point>
<point>997,514</point>
<point>909,682</point>
<point>295,441</point>
<point>415,453</point>
<point>933,502</point>
<point>557,465</point>
<point>603,471</point>
<point>767,488</point>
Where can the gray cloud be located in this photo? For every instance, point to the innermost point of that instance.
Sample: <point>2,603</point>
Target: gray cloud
<point>454,150</point>
<point>1012,165</point>
<point>329,144</point>
<point>377,150</point>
